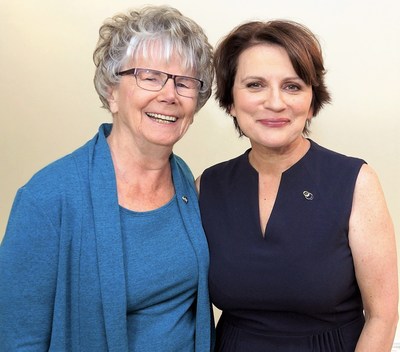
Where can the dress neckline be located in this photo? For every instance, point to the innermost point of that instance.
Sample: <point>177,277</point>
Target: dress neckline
<point>297,164</point>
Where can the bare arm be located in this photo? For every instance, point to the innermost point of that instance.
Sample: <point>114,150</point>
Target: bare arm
<point>373,245</point>
<point>198,184</point>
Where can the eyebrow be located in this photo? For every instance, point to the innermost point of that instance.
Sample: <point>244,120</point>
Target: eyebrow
<point>262,78</point>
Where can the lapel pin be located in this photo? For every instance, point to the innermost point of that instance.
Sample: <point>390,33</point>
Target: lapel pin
<point>308,195</point>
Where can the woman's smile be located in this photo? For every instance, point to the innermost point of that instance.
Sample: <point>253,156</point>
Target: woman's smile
<point>274,122</point>
<point>160,118</point>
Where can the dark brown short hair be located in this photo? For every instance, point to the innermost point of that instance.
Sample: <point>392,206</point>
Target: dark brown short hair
<point>300,43</point>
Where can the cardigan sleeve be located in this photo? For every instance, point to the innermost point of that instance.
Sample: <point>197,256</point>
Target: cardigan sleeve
<point>28,274</point>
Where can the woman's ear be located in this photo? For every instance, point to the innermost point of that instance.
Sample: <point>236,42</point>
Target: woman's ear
<point>232,110</point>
<point>310,113</point>
<point>113,99</point>
<point>311,110</point>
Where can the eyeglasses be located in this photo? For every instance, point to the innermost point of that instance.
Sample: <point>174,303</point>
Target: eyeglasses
<point>154,81</point>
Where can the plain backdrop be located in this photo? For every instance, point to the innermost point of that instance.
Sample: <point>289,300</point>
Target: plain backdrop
<point>49,106</point>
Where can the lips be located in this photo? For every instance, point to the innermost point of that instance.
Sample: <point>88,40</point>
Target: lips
<point>162,118</point>
<point>274,122</point>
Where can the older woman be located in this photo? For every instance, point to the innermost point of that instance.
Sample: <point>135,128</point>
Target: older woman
<point>302,247</point>
<point>104,250</point>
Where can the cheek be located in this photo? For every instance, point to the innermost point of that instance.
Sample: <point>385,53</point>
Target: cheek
<point>302,106</point>
<point>188,120</point>
<point>190,110</point>
<point>121,99</point>
<point>243,103</point>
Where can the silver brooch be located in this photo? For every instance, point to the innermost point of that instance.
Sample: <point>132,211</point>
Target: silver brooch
<point>308,195</point>
<point>185,199</point>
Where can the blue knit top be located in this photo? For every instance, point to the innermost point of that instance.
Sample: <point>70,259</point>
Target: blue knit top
<point>161,280</point>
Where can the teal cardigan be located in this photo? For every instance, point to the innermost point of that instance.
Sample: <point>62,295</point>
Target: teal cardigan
<point>62,282</point>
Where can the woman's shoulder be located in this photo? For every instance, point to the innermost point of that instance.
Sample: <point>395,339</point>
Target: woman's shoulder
<point>330,153</point>
<point>62,176</point>
<point>228,166</point>
<point>331,158</point>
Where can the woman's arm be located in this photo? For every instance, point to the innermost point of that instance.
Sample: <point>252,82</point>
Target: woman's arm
<point>372,241</point>
<point>28,269</point>
<point>198,184</point>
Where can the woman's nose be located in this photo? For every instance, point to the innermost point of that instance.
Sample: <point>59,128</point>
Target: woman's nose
<point>274,99</point>
<point>168,91</point>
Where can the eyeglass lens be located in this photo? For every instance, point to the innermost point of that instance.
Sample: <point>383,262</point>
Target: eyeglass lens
<point>155,80</point>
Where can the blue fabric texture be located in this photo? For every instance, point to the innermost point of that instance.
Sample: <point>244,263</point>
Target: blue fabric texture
<point>62,280</point>
<point>160,295</point>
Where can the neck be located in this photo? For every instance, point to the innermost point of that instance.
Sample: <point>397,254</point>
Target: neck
<point>277,160</point>
<point>135,164</point>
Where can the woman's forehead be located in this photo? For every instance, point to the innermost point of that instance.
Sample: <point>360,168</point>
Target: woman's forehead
<point>161,50</point>
<point>157,55</point>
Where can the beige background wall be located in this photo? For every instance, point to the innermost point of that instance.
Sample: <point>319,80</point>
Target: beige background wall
<point>49,106</point>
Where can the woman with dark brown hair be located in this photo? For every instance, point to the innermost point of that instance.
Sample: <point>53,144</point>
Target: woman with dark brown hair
<point>302,246</point>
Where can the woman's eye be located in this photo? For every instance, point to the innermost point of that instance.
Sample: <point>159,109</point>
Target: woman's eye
<point>149,78</point>
<point>254,85</point>
<point>293,87</point>
<point>182,85</point>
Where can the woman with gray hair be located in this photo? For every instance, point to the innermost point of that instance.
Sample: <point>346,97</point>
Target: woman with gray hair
<point>104,249</point>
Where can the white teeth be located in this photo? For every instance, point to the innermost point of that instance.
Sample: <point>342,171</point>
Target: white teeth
<point>162,118</point>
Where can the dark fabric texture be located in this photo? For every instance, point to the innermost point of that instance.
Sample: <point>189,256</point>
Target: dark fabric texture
<point>293,289</point>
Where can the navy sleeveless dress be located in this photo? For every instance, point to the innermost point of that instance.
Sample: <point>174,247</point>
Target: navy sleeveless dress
<point>293,289</point>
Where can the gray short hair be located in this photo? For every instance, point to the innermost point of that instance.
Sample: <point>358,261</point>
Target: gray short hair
<point>136,33</point>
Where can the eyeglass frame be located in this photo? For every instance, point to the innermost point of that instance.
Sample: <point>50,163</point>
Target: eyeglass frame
<point>134,72</point>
